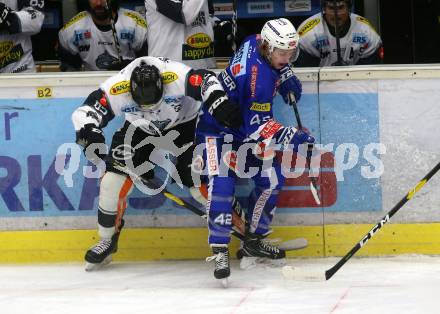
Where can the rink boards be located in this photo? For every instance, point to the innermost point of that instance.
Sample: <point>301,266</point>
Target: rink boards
<point>375,124</point>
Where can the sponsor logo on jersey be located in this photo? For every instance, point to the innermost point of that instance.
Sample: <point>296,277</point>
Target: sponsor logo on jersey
<point>309,26</point>
<point>260,107</point>
<point>199,20</point>
<point>10,54</point>
<point>83,48</point>
<point>238,64</point>
<point>127,35</point>
<point>199,40</point>
<point>120,88</point>
<point>211,152</point>
<point>169,77</point>
<point>80,35</point>
<point>195,80</point>
<point>137,18</point>
<point>130,109</point>
<point>5,47</point>
<point>270,129</point>
<point>359,38</point>
<point>191,53</point>
<point>321,41</point>
<point>75,19</point>
<point>228,81</point>
<point>254,75</point>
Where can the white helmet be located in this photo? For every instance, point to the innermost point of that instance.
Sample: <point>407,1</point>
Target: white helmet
<point>280,33</point>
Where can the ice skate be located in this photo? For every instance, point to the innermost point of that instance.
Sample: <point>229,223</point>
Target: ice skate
<point>222,268</point>
<point>101,253</point>
<point>257,250</point>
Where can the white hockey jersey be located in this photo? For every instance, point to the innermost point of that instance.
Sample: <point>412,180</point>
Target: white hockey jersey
<point>15,43</point>
<point>361,40</point>
<point>191,42</point>
<point>97,49</point>
<point>174,108</point>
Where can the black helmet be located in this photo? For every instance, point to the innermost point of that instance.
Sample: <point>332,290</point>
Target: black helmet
<point>146,85</point>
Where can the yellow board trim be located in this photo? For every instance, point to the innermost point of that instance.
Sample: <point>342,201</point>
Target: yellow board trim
<point>191,243</point>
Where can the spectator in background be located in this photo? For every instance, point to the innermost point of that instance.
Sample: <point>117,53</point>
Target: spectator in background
<point>181,31</point>
<point>105,37</point>
<point>336,36</point>
<point>18,21</point>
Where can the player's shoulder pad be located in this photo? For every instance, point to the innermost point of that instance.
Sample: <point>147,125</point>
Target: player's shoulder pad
<point>136,17</point>
<point>75,19</point>
<point>363,20</point>
<point>308,26</point>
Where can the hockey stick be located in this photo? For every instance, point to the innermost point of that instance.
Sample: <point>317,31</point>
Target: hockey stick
<point>338,41</point>
<point>301,274</point>
<point>234,25</point>
<point>115,35</point>
<point>294,244</point>
<point>238,225</point>
<point>313,184</point>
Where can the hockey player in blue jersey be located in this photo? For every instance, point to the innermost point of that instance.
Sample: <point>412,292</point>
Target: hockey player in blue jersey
<point>256,72</point>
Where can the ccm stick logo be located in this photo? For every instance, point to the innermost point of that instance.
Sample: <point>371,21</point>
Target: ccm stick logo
<point>296,190</point>
<point>374,230</point>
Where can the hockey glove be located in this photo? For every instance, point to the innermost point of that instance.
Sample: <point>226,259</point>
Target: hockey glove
<point>224,111</point>
<point>289,83</point>
<point>285,137</point>
<point>4,13</point>
<point>118,65</point>
<point>92,136</point>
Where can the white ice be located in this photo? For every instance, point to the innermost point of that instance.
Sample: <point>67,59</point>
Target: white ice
<point>406,284</point>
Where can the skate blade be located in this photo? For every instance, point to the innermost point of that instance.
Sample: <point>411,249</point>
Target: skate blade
<point>247,262</point>
<point>96,266</point>
<point>224,282</point>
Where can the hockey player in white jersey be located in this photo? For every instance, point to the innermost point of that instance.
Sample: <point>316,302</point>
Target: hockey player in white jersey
<point>158,98</point>
<point>18,21</point>
<point>181,31</point>
<point>338,37</point>
<point>104,37</point>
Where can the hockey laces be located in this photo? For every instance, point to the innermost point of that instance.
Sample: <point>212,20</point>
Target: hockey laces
<point>102,246</point>
<point>269,247</point>
<point>220,258</point>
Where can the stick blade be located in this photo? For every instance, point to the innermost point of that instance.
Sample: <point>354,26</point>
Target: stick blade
<point>302,274</point>
<point>294,244</point>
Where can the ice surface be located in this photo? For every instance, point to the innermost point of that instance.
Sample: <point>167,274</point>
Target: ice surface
<point>407,284</point>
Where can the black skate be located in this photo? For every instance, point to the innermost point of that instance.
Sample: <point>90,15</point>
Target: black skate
<point>101,253</point>
<point>256,249</point>
<point>222,268</point>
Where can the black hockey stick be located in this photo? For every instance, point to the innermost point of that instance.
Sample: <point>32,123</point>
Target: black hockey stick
<point>238,225</point>
<point>338,40</point>
<point>115,35</point>
<point>237,230</point>
<point>234,25</point>
<point>301,274</point>
<point>313,184</point>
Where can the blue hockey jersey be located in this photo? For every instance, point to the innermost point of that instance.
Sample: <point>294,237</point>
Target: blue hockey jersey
<point>251,82</point>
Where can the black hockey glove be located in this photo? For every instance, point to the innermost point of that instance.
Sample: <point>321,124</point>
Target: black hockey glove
<point>92,136</point>
<point>223,110</point>
<point>4,13</point>
<point>118,65</point>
